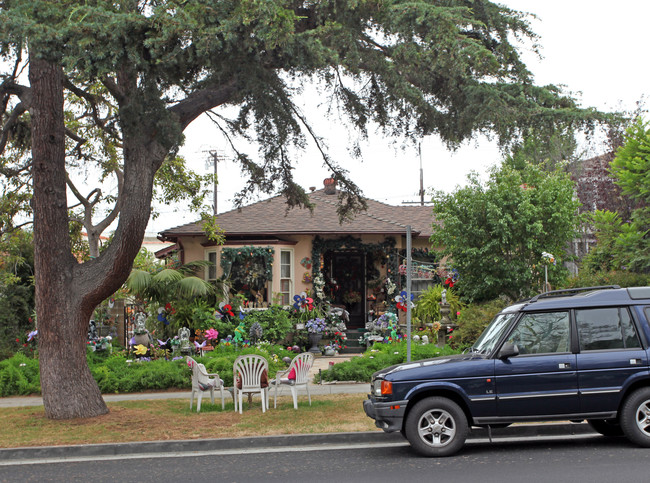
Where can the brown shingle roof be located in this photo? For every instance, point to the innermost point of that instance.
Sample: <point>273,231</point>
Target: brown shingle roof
<point>270,217</point>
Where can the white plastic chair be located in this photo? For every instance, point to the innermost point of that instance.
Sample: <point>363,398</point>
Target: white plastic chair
<point>248,369</point>
<point>202,382</point>
<point>301,364</point>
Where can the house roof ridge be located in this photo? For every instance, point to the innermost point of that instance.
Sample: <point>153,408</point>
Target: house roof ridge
<point>370,215</point>
<point>270,216</point>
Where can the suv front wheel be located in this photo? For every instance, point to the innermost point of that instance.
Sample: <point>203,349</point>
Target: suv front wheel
<point>635,417</point>
<point>436,426</point>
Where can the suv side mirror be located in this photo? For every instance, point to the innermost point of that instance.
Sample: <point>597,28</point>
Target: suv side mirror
<point>508,350</point>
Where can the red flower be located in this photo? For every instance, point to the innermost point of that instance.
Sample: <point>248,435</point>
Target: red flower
<point>17,340</point>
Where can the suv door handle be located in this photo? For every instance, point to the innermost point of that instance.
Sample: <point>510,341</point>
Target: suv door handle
<point>564,365</point>
<point>635,362</point>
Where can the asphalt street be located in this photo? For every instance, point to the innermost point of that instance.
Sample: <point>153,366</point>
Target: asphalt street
<point>531,458</point>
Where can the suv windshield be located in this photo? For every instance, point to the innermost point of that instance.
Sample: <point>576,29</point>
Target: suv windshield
<point>492,333</point>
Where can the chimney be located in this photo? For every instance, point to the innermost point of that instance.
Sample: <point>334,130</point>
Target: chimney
<point>330,186</point>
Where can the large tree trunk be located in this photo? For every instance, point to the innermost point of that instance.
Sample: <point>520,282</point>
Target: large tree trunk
<point>67,292</point>
<point>67,385</point>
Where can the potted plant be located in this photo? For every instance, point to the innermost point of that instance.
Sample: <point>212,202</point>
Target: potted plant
<point>315,328</point>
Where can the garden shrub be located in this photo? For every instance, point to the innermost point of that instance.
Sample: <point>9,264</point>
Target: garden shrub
<point>19,375</point>
<point>587,278</point>
<point>427,306</point>
<point>473,319</point>
<point>361,368</point>
<point>275,322</point>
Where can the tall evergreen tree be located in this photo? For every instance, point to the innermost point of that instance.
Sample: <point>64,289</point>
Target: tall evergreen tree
<point>412,67</point>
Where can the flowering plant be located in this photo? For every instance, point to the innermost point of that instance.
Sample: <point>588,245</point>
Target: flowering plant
<point>319,285</point>
<point>548,258</point>
<point>316,326</point>
<point>211,334</point>
<point>382,324</point>
<point>338,341</point>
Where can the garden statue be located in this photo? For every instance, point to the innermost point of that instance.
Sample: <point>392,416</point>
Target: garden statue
<point>141,335</point>
<point>444,309</point>
<point>184,338</point>
<point>425,339</point>
<point>416,338</point>
<point>92,331</point>
<point>239,332</point>
<point>255,333</point>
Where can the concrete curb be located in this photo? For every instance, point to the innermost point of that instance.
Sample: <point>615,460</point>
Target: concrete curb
<point>302,440</point>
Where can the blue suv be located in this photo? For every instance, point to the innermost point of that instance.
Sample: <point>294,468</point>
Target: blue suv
<point>563,355</point>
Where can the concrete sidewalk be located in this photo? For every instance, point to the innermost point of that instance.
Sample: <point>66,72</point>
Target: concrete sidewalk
<point>314,389</point>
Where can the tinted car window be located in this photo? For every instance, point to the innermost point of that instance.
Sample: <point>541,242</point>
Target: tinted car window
<point>601,329</point>
<point>542,333</point>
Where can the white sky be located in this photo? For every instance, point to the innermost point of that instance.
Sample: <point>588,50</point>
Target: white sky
<point>595,48</point>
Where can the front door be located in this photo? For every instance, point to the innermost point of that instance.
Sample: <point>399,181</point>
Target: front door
<point>349,291</point>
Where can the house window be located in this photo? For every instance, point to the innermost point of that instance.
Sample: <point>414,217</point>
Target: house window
<point>286,276</point>
<point>211,272</point>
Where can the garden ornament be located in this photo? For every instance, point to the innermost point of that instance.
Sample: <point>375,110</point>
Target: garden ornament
<point>255,332</point>
<point>425,339</point>
<point>140,333</point>
<point>393,332</point>
<point>184,337</point>
<point>239,333</point>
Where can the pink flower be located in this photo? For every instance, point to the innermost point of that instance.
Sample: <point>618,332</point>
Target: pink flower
<point>211,334</point>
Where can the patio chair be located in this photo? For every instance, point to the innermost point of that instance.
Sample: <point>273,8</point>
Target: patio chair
<point>297,375</point>
<point>250,374</point>
<point>202,382</point>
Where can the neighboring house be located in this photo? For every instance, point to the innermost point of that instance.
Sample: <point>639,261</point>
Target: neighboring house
<point>596,190</point>
<point>272,254</point>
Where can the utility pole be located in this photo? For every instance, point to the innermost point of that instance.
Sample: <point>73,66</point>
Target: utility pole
<point>421,176</point>
<point>215,160</point>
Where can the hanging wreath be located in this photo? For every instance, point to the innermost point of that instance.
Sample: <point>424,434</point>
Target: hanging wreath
<point>253,266</point>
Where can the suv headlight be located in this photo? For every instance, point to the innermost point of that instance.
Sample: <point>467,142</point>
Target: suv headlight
<point>381,387</point>
<point>376,387</point>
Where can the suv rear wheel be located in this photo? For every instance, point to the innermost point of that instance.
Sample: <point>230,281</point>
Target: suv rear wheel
<point>635,417</point>
<point>436,426</point>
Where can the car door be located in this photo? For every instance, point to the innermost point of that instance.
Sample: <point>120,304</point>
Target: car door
<point>542,379</point>
<point>610,356</point>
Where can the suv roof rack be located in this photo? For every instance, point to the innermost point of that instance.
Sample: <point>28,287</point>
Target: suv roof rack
<point>571,291</point>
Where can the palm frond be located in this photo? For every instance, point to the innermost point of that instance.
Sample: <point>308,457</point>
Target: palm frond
<point>138,281</point>
<point>193,287</point>
<point>168,276</point>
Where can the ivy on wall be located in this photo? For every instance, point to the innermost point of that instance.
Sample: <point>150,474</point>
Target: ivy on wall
<point>249,265</point>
